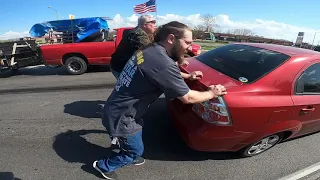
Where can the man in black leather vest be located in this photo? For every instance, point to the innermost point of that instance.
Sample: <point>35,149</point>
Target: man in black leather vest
<point>132,41</point>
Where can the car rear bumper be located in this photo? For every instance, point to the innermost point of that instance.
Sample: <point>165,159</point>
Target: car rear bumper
<point>202,136</point>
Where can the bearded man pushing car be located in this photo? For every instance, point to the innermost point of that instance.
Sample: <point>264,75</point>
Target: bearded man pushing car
<point>148,73</point>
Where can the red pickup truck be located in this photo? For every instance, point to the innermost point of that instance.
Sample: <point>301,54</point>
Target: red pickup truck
<point>76,57</point>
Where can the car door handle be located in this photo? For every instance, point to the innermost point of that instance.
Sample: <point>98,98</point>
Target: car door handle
<point>308,109</point>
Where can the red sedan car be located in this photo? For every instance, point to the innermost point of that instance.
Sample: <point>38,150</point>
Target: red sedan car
<point>273,95</point>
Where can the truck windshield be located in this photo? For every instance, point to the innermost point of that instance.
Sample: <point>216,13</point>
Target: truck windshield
<point>242,62</point>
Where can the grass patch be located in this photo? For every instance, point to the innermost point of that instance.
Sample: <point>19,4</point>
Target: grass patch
<point>208,48</point>
<point>208,45</point>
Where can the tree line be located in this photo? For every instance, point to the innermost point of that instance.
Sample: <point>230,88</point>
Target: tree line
<point>209,25</point>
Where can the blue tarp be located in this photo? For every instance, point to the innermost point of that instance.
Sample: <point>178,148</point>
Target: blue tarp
<point>82,27</point>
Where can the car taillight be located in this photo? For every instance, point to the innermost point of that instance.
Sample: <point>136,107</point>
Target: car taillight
<point>213,111</point>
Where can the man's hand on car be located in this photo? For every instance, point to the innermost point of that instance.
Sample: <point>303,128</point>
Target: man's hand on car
<point>195,75</point>
<point>184,63</point>
<point>217,90</point>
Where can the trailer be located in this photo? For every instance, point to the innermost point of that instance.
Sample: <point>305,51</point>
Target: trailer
<point>19,54</point>
<point>91,29</point>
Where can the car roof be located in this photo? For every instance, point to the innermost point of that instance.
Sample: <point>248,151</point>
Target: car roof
<point>288,50</point>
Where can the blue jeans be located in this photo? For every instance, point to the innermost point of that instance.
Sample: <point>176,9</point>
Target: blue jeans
<point>130,148</point>
<point>115,74</point>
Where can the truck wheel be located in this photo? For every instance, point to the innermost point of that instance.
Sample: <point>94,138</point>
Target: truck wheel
<point>76,65</point>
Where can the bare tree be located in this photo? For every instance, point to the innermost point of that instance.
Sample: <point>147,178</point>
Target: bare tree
<point>198,31</point>
<point>209,20</point>
<point>199,28</point>
<point>218,30</point>
<point>241,32</point>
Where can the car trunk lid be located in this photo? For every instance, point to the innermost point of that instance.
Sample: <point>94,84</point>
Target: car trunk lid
<point>214,111</point>
<point>210,76</point>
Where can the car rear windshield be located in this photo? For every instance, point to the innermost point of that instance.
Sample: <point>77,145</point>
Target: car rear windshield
<point>242,62</point>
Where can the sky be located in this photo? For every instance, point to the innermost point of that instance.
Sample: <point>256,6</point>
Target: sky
<point>279,19</point>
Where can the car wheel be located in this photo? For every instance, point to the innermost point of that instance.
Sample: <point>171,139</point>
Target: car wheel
<point>261,146</point>
<point>76,65</point>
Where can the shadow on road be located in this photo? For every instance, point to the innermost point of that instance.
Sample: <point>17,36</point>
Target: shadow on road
<point>299,137</point>
<point>86,109</point>
<point>159,135</point>
<point>48,71</point>
<point>73,147</point>
<point>7,176</point>
<point>161,140</point>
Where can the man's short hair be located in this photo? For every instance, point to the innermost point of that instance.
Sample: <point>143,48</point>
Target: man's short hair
<point>143,19</point>
<point>174,27</point>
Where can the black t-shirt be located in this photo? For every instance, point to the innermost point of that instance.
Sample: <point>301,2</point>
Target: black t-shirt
<point>147,75</point>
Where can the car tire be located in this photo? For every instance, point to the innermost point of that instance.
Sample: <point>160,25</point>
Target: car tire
<point>261,145</point>
<point>76,65</point>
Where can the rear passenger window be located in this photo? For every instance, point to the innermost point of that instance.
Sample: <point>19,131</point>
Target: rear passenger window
<point>309,81</point>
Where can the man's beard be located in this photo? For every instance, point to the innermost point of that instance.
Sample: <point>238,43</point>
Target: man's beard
<point>177,53</point>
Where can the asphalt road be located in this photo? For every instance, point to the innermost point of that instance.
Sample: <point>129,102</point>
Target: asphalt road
<point>49,132</point>
<point>41,78</point>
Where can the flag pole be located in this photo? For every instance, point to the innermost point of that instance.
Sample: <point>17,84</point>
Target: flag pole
<point>155,2</point>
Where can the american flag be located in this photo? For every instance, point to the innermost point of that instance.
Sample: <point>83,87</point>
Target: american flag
<point>149,6</point>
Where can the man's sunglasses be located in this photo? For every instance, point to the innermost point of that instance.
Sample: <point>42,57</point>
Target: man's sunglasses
<point>153,22</point>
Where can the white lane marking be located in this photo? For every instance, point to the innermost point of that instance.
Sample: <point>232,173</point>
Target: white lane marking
<point>303,172</point>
